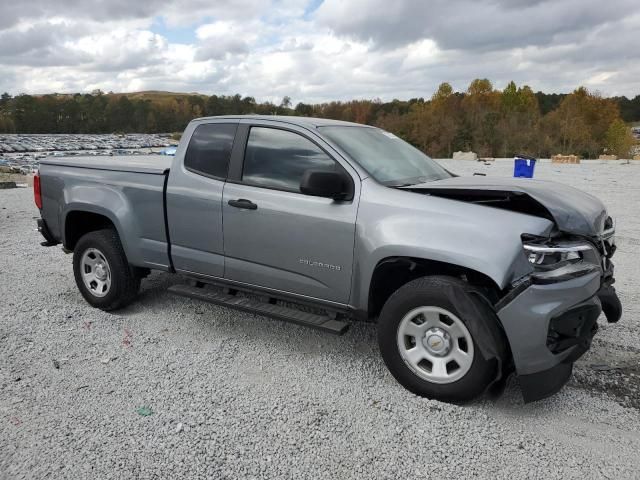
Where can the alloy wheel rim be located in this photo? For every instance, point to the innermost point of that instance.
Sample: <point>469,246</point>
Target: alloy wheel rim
<point>435,344</point>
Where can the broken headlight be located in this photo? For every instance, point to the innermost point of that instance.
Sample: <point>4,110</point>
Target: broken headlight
<point>544,259</point>
<point>558,260</point>
<point>544,256</point>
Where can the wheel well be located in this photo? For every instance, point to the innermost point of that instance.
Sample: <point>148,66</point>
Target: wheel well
<point>79,223</point>
<point>392,273</point>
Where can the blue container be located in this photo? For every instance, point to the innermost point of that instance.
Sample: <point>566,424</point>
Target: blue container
<point>523,167</point>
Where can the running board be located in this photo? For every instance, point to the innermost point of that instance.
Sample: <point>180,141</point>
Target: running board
<point>246,304</point>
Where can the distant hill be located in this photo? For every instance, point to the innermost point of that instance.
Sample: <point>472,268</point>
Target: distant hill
<point>155,94</point>
<point>143,95</point>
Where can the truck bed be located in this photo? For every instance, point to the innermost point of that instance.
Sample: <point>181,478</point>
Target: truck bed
<point>153,164</point>
<point>126,190</point>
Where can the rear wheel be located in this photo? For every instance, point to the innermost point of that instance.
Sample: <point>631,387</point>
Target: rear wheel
<point>430,344</point>
<point>103,275</point>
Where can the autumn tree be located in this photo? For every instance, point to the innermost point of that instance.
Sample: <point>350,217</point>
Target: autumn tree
<point>303,109</point>
<point>434,124</point>
<point>286,102</point>
<point>619,139</point>
<point>579,125</point>
<point>519,118</point>
<point>6,122</point>
<point>481,107</point>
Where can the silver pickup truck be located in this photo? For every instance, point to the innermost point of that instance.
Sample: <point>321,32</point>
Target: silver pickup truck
<point>322,222</point>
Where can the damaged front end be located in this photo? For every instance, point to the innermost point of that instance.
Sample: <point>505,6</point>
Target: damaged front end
<point>550,316</point>
<point>564,280</point>
<point>562,258</point>
<point>573,211</point>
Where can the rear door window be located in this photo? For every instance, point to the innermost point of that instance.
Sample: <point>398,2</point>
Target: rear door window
<point>277,159</point>
<point>210,148</point>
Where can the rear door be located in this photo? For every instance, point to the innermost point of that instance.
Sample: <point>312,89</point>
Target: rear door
<point>194,198</point>
<point>275,236</point>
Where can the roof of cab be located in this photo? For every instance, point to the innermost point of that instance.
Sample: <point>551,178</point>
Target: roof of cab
<point>301,121</point>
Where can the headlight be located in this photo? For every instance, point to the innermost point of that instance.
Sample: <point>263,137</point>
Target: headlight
<point>544,256</point>
<point>557,262</point>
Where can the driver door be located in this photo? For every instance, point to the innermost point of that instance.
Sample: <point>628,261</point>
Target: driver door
<point>276,237</point>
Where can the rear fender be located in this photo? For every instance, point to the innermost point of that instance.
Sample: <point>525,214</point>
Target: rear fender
<point>85,198</point>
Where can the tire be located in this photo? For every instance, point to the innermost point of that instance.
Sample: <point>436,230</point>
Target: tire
<point>103,274</point>
<point>425,354</point>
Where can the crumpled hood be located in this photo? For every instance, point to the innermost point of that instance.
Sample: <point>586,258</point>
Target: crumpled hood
<point>572,210</point>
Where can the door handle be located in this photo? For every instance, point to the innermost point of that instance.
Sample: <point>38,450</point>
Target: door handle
<point>243,203</point>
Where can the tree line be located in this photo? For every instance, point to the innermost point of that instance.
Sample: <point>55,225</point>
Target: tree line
<point>490,122</point>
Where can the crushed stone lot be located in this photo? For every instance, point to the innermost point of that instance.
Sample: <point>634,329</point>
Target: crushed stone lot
<point>172,387</point>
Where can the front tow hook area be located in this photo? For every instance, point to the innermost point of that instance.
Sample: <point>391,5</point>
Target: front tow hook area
<point>611,305</point>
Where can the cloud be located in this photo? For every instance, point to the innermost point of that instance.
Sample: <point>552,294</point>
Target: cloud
<point>221,39</point>
<point>468,24</point>
<point>334,50</point>
<point>12,12</point>
<point>121,50</point>
<point>39,44</point>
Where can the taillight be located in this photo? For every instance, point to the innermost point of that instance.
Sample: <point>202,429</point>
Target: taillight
<point>37,194</point>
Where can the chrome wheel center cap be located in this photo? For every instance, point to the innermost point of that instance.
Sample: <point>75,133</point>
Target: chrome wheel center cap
<point>101,272</point>
<point>437,342</point>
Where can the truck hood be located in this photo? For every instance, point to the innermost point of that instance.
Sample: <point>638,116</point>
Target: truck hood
<point>572,210</point>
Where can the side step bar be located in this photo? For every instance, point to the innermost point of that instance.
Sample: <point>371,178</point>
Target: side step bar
<point>246,304</point>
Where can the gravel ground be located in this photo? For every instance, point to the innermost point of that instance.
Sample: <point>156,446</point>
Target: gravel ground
<point>234,395</point>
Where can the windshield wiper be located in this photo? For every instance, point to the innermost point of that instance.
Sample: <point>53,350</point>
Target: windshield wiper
<point>397,183</point>
<point>411,184</point>
<point>400,185</point>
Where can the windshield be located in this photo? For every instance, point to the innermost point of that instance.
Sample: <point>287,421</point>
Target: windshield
<point>387,158</point>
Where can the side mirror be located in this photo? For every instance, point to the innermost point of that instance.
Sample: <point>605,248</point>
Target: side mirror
<point>322,183</point>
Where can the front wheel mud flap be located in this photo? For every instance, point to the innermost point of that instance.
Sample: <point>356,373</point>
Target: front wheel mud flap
<point>486,334</point>
<point>611,305</point>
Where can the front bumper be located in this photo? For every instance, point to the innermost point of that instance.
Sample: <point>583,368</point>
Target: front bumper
<point>549,326</point>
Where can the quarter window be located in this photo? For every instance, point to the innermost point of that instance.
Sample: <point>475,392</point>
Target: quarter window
<point>210,148</point>
<point>278,159</point>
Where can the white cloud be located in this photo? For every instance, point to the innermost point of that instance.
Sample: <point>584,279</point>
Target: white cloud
<point>354,49</point>
<point>121,50</point>
<point>222,39</point>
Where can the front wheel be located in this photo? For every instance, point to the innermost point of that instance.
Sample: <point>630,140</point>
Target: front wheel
<point>439,340</point>
<point>102,273</point>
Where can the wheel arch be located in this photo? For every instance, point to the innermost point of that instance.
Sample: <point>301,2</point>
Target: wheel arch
<point>391,273</point>
<point>82,219</point>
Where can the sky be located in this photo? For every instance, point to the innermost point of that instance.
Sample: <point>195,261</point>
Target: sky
<point>318,50</point>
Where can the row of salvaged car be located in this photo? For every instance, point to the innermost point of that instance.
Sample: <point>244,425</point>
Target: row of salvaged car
<point>68,142</point>
<point>27,163</point>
